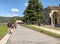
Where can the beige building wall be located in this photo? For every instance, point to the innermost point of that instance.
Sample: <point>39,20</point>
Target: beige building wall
<point>58,19</point>
<point>47,17</point>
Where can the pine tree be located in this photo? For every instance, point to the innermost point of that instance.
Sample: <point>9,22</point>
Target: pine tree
<point>33,11</point>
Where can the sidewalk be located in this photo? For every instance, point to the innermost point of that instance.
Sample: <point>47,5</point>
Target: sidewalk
<point>5,38</point>
<point>51,30</point>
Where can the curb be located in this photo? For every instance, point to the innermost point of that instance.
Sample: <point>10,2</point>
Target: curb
<point>5,38</point>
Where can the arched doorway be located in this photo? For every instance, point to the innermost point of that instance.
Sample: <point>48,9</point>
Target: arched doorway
<point>55,18</point>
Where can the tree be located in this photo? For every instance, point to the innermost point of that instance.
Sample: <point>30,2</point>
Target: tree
<point>34,11</point>
<point>13,19</point>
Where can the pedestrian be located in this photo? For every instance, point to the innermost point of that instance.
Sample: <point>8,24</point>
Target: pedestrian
<point>9,25</point>
<point>15,25</point>
<point>12,26</point>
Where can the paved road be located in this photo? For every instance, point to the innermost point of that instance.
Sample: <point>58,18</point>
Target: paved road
<point>23,35</point>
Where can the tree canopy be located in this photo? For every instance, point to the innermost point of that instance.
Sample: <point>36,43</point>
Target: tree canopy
<point>34,11</point>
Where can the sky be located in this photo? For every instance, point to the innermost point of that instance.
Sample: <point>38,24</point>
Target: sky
<point>10,8</point>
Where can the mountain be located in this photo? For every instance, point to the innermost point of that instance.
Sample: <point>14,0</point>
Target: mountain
<point>4,19</point>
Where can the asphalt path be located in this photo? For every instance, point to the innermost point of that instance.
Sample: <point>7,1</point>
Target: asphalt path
<point>23,35</point>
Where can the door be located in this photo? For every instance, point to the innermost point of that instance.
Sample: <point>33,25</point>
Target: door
<point>55,20</point>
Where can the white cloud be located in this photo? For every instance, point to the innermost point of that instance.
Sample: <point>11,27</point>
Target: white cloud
<point>9,15</point>
<point>26,4</point>
<point>14,15</point>
<point>5,15</point>
<point>14,10</point>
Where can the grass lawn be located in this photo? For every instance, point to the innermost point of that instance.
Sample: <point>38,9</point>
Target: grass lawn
<point>3,30</point>
<point>42,31</point>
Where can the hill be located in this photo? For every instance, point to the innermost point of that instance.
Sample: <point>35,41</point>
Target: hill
<point>4,19</point>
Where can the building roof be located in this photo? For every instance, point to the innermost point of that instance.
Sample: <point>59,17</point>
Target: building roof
<point>19,21</point>
<point>53,7</point>
<point>49,8</point>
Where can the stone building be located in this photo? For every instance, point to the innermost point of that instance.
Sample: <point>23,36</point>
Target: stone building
<point>52,15</point>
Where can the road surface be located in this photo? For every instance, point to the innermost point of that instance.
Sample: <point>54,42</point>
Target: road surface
<point>23,35</point>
